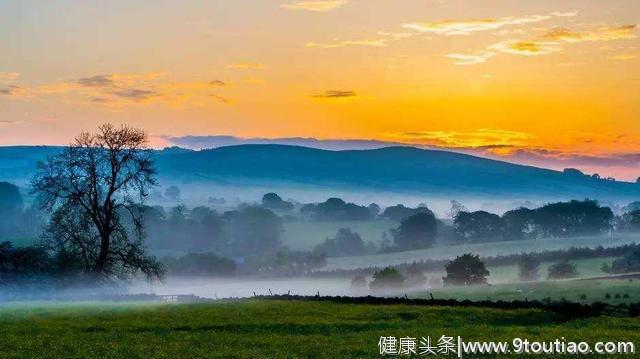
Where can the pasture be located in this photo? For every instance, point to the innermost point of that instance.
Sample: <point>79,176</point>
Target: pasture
<point>271,328</point>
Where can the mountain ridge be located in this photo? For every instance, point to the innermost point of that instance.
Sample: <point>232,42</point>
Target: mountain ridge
<point>393,168</point>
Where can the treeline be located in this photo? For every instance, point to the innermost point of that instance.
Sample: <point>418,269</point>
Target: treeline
<point>434,265</point>
<point>554,220</point>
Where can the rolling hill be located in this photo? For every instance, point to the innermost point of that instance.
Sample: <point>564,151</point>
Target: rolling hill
<point>394,169</point>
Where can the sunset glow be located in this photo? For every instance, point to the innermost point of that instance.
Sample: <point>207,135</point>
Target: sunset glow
<point>549,83</point>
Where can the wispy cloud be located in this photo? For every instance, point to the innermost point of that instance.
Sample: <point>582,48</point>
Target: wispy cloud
<point>565,14</point>
<point>526,48</point>
<point>625,57</point>
<point>343,43</point>
<point>135,94</point>
<point>382,40</point>
<point>335,94</point>
<point>466,27</point>
<point>117,91</point>
<point>96,81</point>
<point>471,59</point>
<point>246,66</point>
<point>13,90</point>
<point>316,6</point>
<point>549,42</point>
<point>600,34</point>
<point>8,77</point>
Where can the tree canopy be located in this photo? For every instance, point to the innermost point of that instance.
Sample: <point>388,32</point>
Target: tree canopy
<point>467,269</point>
<point>95,188</point>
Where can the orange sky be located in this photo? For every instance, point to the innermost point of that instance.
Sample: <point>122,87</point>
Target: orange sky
<point>513,79</point>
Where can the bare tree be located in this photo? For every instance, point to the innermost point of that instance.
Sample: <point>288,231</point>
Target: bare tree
<point>96,188</point>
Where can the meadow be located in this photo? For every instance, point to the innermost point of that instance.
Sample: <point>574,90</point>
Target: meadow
<point>256,328</point>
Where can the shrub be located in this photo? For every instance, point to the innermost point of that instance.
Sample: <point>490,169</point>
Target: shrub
<point>388,278</point>
<point>562,270</point>
<point>467,269</point>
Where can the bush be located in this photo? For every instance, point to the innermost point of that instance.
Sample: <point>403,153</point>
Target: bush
<point>388,278</point>
<point>562,270</point>
<point>467,269</point>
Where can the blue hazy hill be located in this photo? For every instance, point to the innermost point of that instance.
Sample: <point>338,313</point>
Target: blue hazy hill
<point>397,169</point>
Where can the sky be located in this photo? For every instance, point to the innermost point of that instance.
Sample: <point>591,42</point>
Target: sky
<point>548,83</point>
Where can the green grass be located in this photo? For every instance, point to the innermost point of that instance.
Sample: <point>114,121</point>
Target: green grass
<point>270,329</point>
<point>306,235</point>
<point>483,249</point>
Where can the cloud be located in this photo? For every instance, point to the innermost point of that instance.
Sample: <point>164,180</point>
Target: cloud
<point>527,48</point>
<point>382,41</point>
<point>625,57</point>
<point>8,77</point>
<point>471,59</point>
<point>13,90</point>
<point>96,81</point>
<point>601,34</point>
<point>565,14</point>
<point>465,27</point>
<point>316,6</point>
<point>336,44</point>
<point>135,94</point>
<point>246,66</point>
<point>224,100</point>
<point>476,139</point>
<point>117,91</point>
<point>335,94</point>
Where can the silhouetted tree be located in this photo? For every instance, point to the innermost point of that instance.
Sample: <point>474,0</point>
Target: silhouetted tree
<point>467,269</point>
<point>388,278</point>
<point>528,268</point>
<point>254,230</point>
<point>479,226</point>
<point>629,221</point>
<point>400,212</point>
<point>100,179</point>
<point>456,207</point>
<point>573,218</point>
<point>416,232</point>
<point>374,209</point>
<point>562,270</point>
<point>519,224</point>
<point>628,264</point>
<point>336,209</point>
<point>345,243</point>
<point>273,202</point>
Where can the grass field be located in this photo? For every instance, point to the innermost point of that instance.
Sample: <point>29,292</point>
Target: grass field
<point>306,235</point>
<point>271,329</point>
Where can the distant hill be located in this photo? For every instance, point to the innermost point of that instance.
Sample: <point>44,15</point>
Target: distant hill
<point>396,169</point>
